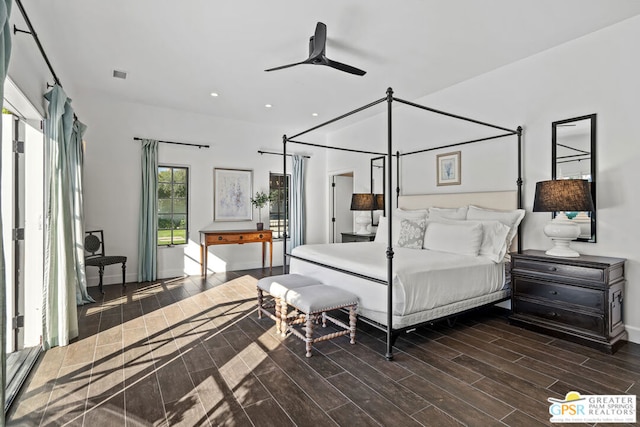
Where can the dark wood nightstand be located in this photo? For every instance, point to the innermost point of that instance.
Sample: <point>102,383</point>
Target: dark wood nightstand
<point>353,237</point>
<point>578,299</point>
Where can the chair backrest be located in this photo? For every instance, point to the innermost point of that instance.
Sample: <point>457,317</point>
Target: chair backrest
<point>93,244</point>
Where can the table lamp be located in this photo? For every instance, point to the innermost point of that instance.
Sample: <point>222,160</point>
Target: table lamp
<point>563,195</point>
<point>363,202</point>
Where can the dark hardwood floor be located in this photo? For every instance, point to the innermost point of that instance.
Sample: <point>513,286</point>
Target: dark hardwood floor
<point>193,352</point>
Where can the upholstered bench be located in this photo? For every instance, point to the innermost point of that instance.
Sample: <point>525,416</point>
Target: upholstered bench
<point>316,300</point>
<point>278,287</point>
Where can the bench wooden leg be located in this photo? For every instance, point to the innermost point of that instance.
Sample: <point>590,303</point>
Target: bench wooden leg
<point>352,323</point>
<point>283,317</point>
<point>309,337</point>
<point>260,303</point>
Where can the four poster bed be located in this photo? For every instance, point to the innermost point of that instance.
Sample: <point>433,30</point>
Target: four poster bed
<point>400,287</point>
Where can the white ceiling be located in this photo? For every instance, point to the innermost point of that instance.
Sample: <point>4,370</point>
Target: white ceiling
<point>177,53</point>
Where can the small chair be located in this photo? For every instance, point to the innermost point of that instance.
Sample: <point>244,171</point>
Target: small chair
<point>95,257</point>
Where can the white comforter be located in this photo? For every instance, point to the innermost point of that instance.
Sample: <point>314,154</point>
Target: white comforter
<point>422,279</point>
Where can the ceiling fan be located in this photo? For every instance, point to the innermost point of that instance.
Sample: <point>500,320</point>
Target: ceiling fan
<point>317,45</point>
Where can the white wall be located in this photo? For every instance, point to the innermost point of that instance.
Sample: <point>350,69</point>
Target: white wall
<point>112,180</point>
<point>594,74</point>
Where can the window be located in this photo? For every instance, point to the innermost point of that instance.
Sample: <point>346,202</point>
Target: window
<point>277,187</point>
<point>173,205</point>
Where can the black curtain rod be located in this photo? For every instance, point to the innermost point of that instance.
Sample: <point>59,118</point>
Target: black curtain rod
<point>33,33</point>
<point>176,143</point>
<point>280,154</point>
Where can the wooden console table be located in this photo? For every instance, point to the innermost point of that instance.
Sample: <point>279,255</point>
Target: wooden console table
<point>233,237</point>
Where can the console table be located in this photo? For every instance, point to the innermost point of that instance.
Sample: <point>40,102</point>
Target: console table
<point>233,237</point>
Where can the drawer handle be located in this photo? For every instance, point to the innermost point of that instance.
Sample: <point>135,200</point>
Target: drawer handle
<point>553,269</point>
<point>553,314</point>
<point>219,237</point>
<point>240,237</point>
<point>261,236</point>
<point>553,292</point>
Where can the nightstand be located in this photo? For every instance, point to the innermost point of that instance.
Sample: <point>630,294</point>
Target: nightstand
<point>353,237</point>
<point>578,299</point>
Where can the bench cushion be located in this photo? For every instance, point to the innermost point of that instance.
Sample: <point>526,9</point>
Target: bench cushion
<point>277,286</point>
<point>319,298</point>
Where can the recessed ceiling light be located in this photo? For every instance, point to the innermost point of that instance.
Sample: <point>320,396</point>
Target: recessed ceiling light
<point>214,94</point>
<point>314,114</point>
<point>268,105</point>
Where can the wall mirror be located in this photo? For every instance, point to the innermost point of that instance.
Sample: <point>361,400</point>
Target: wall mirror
<point>378,187</point>
<point>573,156</point>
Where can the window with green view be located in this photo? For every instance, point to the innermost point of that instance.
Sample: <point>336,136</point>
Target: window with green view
<point>173,205</point>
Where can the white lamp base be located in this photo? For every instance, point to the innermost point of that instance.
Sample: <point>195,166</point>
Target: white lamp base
<point>363,222</point>
<point>562,231</point>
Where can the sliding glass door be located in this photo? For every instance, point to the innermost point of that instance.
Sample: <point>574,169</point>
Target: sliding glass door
<point>22,221</point>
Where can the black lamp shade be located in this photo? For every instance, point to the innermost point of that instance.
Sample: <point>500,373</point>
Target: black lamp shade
<point>379,201</point>
<point>362,202</point>
<point>563,195</point>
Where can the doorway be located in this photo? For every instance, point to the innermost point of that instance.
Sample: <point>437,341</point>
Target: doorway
<point>22,186</point>
<point>341,215</point>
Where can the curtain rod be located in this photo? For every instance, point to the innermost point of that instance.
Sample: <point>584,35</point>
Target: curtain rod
<point>280,154</point>
<point>32,31</point>
<point>176,143</point>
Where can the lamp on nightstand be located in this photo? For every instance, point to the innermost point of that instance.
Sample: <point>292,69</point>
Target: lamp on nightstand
<point>363,202</point>
<point>563,195</point>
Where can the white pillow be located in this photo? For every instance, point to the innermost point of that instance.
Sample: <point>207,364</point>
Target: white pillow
<point>494,238</point>
<point>410,214</point>
<point>509,218</point>
<point>382,231</point>
<point>461,238</point>
<point>448,213</point>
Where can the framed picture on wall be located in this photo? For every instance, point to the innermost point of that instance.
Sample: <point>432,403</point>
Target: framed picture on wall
<point>232,189</point>
<point>448,168</point>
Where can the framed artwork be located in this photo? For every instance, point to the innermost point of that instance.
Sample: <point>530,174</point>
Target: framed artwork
<point>232,189</point>
<point>448,168</point>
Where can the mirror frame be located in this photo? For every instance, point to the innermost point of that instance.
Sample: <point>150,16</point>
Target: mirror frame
<point>384,168</point>
<point>593,128</point>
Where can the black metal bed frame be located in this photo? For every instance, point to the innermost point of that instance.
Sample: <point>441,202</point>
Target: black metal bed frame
<point>391,333</point>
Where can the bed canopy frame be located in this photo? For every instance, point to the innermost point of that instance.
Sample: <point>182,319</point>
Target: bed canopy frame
<point>392,334</point>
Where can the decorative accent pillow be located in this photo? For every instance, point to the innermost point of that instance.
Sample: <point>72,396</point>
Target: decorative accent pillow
<point>412,234</point>
<point>462,238</point>
<point>509,218</point>
<point>448,213</point>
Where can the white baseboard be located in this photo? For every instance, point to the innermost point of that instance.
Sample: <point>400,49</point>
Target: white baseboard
<point>634,334</point>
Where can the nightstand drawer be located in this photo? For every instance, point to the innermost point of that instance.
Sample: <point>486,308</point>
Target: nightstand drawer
<point>586,322</point>
<point>588,298</point>
<point>574,272</point>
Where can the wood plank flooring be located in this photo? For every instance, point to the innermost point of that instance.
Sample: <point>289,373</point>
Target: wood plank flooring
<point>192,352</point>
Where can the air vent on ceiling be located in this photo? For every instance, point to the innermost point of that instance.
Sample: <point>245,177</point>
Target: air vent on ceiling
<point>119,74</point>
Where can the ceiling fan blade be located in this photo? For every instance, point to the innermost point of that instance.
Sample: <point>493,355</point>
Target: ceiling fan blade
<point>319,41</point>
<point>344,67</point>
<point>287,66</point>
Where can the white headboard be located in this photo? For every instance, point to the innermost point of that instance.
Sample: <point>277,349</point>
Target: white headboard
<point>504,200</point>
